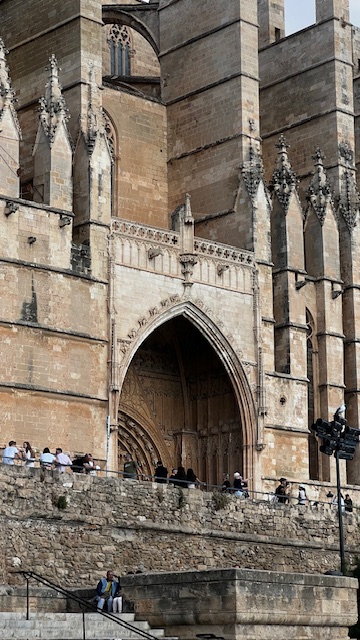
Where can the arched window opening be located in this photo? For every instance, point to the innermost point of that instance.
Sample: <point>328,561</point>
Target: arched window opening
<point>119,41</point>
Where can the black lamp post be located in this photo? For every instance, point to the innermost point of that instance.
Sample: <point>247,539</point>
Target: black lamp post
<point>341,440</point>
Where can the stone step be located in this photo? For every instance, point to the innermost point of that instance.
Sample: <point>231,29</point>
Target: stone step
<point>69,626</point>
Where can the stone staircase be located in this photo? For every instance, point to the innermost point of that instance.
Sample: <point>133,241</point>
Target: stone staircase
<point>69,626</point>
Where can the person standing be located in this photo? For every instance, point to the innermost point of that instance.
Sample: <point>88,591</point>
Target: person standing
<point>281,493</point>
<point>11,453</point>
<point>161,473</point>
<point>28,454</point>
<point>130,467</point>
<point>62,460</point>
<point>106,590</point>
<point>348,503</point>
<point>302,497</point>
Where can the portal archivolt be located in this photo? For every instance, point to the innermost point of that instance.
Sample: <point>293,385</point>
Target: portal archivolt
<point>178,404</point>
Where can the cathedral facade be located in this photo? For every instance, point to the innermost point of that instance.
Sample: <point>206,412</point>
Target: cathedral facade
<point>179,264</point>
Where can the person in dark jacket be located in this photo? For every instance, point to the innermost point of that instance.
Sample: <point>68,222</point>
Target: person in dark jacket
<point>106,590</point>
<point>180,478</point>
<point>161,473</point>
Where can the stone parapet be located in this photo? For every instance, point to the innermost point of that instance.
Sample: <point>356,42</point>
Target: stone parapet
<point>130,525</point>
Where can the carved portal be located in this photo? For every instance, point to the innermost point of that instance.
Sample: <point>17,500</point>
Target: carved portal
<point>177,403</point>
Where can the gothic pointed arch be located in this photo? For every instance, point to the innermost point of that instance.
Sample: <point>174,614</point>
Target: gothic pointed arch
<point>138,18</point>
<point>191,392</point>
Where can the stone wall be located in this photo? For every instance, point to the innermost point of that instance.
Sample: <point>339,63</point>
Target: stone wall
<point>249,605</point>
<point>132,526</point>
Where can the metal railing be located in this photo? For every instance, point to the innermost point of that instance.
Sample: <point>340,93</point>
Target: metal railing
<point>85,605</point>
<point>260,496</point>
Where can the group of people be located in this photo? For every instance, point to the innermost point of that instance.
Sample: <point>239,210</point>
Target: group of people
<point>239,488</point>
<point>58,460</point>
<point>282,495</point>
<point>178,477</point>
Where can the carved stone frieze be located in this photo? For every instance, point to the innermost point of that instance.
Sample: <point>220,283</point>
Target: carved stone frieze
<point>7,94</point>
<point>134,230</point>
<point>284,180</point>
<point>53,110</point>
<point>223,252</point>
<point>319,193</point>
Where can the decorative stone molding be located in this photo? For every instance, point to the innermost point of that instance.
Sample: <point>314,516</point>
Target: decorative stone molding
<point>223,252</point>
<point>346,153</point>
<point>188,262</point>
<point>7,94</point>
<point>53,110</point>
<point>10,207</point>
<point>319,193</point>
<point>134,230</point>
<point>252,172</point>
<point>284,179</point>
<point>349,200</point>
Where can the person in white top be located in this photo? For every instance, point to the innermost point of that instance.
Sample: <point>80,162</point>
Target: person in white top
<point>47,459</point>
<point>62,460</point>
<point>10,453</point>
<point>89,465</point>
<point>28,454</point>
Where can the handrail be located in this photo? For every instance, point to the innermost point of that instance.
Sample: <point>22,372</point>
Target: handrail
<point>88,605</point>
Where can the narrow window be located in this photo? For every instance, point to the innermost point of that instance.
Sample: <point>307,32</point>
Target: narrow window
<point>119,41</point>
<point>277,34</point>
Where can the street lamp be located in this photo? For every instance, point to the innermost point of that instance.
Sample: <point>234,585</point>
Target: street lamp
<point>341,440</point>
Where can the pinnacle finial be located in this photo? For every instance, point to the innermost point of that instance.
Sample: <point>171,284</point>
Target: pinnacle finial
<point>52,106</point>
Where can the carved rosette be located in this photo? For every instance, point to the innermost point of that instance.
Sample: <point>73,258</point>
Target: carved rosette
<point>7,94</point>
<point>284,179</point>
<point>252,172</point>
<point>188,262</point>
<point>53,110</point>
<point>319,193</point>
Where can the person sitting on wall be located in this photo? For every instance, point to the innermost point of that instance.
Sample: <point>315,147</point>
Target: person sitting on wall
<point>281,491</point>
<point>117,602</point>
<point>11,453</point>
<point>78,465</point>
<point>106,590</point>
<point>302,497</point>
<point>160,473</point>
<point>47,459</point>
<point>239,487</point>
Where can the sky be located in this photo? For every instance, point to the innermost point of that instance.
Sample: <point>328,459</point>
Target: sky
<point>301,13</point>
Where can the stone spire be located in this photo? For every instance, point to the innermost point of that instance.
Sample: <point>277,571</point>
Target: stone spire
<point>319,193</point>
<point>53,111</point>
<point>284,179</point>
<point>7,94</point>
<point>349,199</point>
